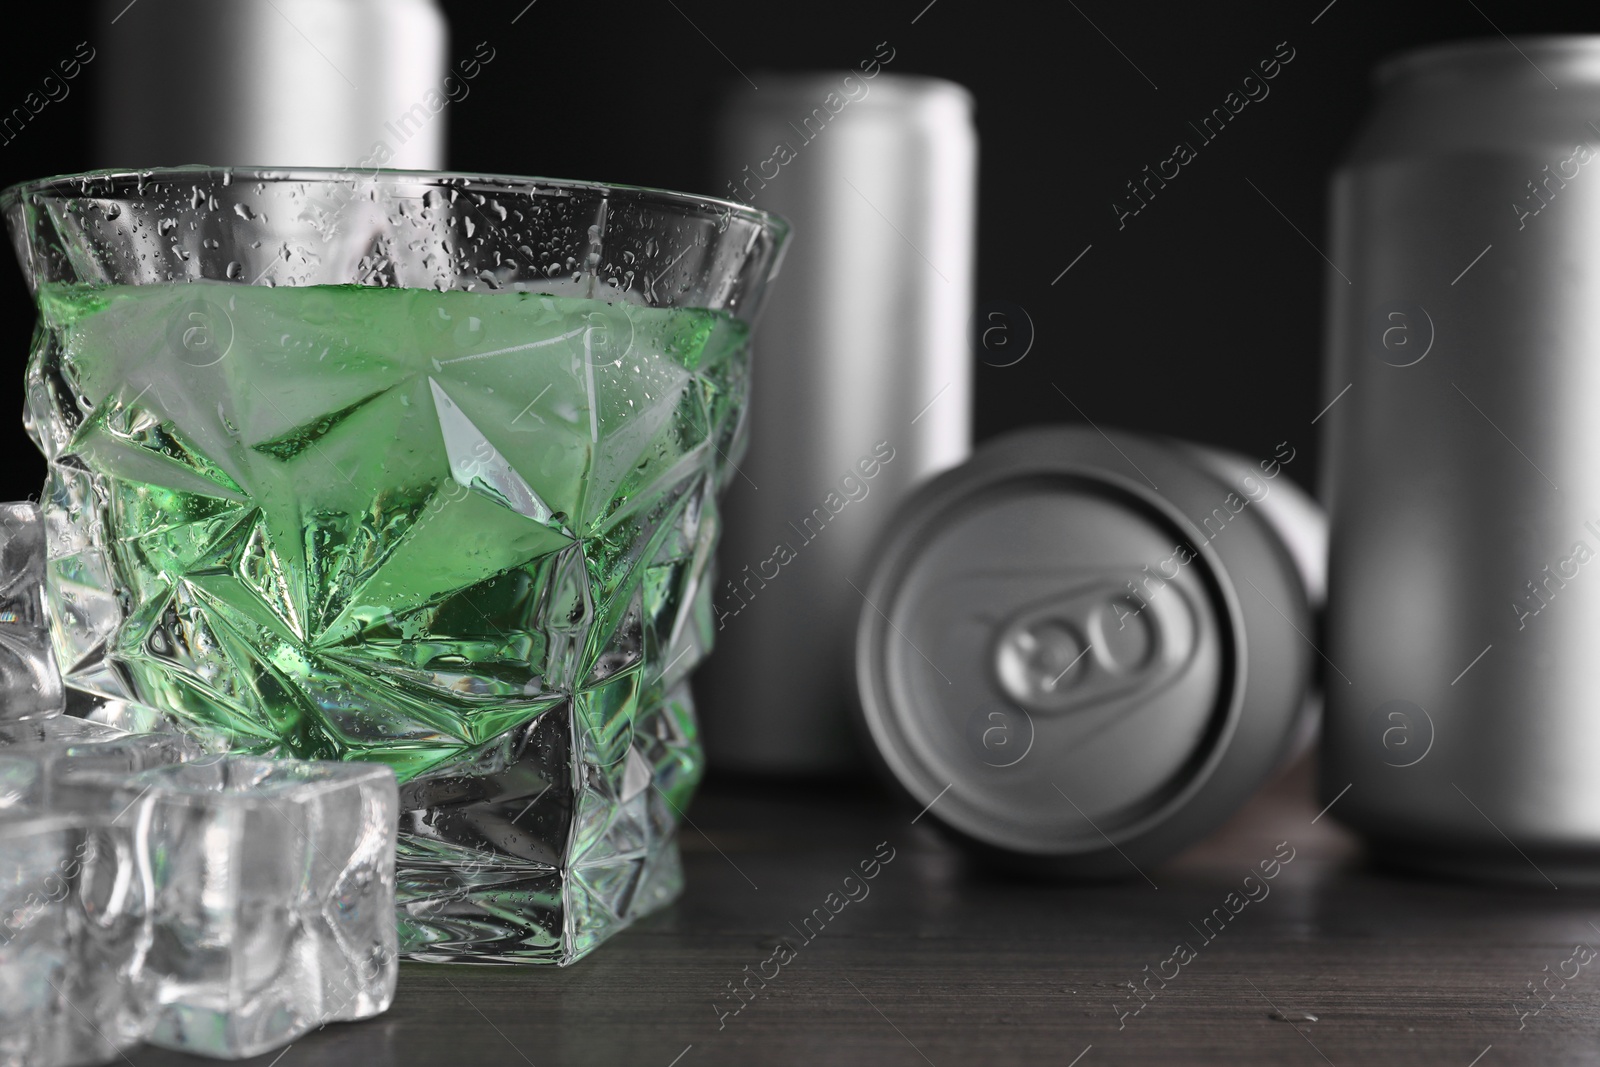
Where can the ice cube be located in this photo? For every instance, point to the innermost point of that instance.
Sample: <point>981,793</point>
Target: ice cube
<point>30,684</point>
<point>272,898</point>
<point>70,935</point>
<point>38,757</point>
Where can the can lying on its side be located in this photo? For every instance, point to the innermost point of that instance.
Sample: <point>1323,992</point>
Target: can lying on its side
<point>1463,464</point>
<point>1076,670</point>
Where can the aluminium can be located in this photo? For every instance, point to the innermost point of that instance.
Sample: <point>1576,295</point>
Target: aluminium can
<point>1076,672</point>
<point>1462,454</point>
<point>326,83</point>
<point>860,386</point>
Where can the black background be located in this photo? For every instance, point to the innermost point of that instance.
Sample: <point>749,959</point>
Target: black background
<point>1201,318</point>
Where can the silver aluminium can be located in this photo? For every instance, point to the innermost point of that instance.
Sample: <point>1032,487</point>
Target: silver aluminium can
<point>1461,464</point>
<point>861,385</point>
<point>331,83</point>
<point>1074,672</point>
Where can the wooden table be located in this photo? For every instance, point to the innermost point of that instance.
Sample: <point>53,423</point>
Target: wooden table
<point>944,962</point>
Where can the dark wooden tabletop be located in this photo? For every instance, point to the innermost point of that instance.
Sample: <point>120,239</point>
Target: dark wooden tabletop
<point>944,962</point>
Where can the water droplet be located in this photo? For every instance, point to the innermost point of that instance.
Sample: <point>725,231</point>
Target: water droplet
<point>235,270</point>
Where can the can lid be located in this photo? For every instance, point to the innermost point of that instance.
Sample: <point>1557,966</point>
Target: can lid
<point>853,91</point>
<point>1051,653</point>
<point>1480,59</point>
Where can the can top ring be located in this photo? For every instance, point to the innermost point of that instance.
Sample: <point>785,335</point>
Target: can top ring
<point>884,89</point>
<point>1575,54</point>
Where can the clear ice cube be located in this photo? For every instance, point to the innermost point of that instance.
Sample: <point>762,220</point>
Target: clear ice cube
<point>30,684</point>
<point>38,758</point>
<point>70,937</point>
<point>272,898</point>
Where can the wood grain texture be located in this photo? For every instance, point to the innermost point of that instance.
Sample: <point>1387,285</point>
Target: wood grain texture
<point>944,962</point>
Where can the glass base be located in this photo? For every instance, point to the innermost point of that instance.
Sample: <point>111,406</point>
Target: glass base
<point>461,905</point>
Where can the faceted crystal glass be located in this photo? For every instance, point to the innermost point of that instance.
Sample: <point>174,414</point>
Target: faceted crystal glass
<point>414,468</point>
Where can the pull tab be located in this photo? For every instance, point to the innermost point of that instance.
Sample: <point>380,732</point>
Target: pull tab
<point>1093,645</point>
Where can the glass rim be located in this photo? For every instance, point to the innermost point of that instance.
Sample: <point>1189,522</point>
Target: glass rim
<point>70,184</point>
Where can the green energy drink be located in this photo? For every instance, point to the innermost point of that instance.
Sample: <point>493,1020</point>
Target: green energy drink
<point>348,522</point>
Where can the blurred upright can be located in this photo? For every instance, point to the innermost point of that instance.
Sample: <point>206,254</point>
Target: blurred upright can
<point>324,83</point>
<point>1463,455</point>
<point>865,391</point>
